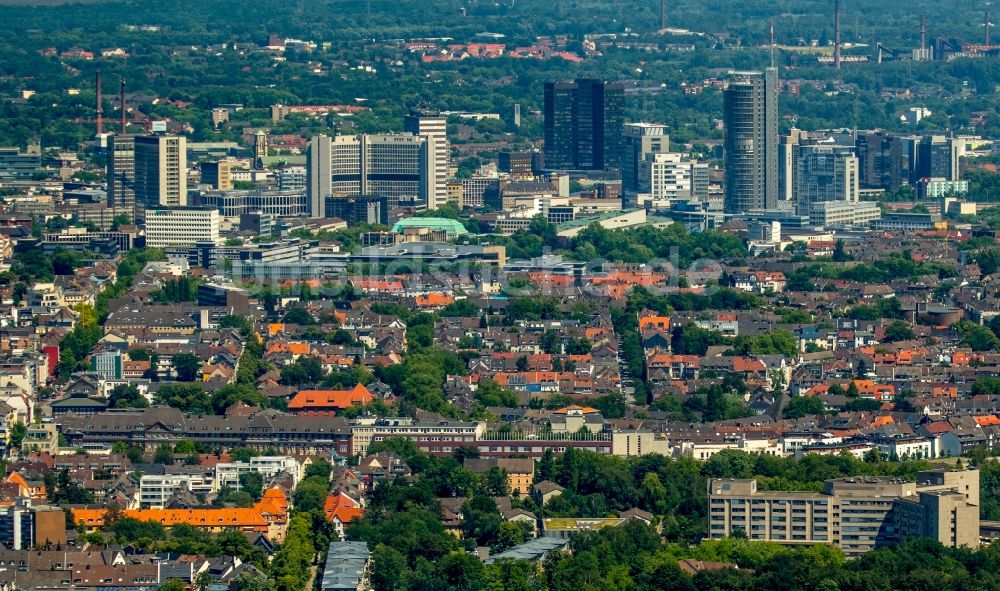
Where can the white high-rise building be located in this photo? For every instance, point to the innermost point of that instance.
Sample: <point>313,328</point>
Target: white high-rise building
<point>160,171</point>
<point>393,166</point>
<point>670,176</point>
<point>181,226</point>
<point>434,127</point>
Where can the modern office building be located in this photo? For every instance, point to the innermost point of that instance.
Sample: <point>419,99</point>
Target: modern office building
<point>292,178</point>
<point>24,526</point>
<point>583,125</point>
<point>640,140</point>
<point>15,164</point>
<point>121,172</point>
<point>937,158</point>
<point>519,165</point>
<point>667,177</point>
<point>160,171</point>
<point>854,514</point>
<point>391,165</point>
<point>824,172</point>
<point>750,114</point>
<point>217,174</point>
<point>181,226</point>
<point>359,209</point>
<point>786,165</point>
<point>432,126</point>
<point>278,203</point>
<point>884,161</point>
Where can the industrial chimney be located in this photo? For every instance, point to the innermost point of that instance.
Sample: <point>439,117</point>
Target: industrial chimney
<point>663,14</point>
<point>836,34</point>
<point>100,111</point>
<point>123,106</point>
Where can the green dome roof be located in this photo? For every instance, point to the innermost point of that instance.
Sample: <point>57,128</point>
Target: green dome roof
<point>449,226</point>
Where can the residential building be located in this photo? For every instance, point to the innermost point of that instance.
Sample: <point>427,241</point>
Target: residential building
<point>160,171</point>
<point>156,490</point>
<point>750,114</point>
<point>583,125</point>
<point>228,473</point>
<point>854,514</point>
<point>181,226</point>
<point>347,567</point>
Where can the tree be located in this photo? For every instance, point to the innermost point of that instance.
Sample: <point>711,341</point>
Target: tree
<point>299,316</point>
<point>164,455</point>
<point>319,468</point>
<point>898,330</point>
<point>481,520</point>
<point>127,396</point>
<point>802,406</point>
<point>17,433</point>
<point>186,367</point>
<point>252,483</point>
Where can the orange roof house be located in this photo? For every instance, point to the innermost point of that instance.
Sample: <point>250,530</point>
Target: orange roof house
<point>296,349</point>
<point>328,402</point>
<point>434,300</point>
<point>654,322</point>
<point>268,516</point>
<point>342,507</point>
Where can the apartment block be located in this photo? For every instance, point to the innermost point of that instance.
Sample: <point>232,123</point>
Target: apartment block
<point>228,474</point>
<point>854,514</point>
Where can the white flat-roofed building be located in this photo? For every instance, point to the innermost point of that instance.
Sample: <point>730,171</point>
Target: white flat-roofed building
<point>181,226</point>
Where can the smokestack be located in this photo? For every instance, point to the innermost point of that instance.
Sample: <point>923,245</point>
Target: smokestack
<point>836,34</point>
<point>124,125</point>
<point>663,14</point>
<point>986,25</point>
<point>923,33</point>
<point>100,111</point>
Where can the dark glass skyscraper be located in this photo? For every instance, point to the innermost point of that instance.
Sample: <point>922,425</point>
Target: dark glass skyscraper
<point>583,125</point>
<point>750,113</point>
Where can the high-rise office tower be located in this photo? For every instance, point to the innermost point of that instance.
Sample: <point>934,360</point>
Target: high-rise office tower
<point>160,170</point>
<point>583,125</point>
<point>881,162</point>
<point>121,172</point>
<point>319,173</point>
<point>434,127</point>
<point>750,113</point>
<point>937,158</point>
<point>825,173</point>
<point>640,140</point>
<point>786,165</point>
<point>393,166</point>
